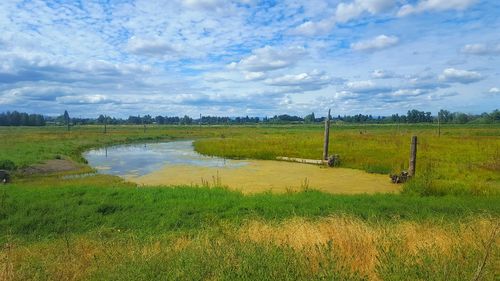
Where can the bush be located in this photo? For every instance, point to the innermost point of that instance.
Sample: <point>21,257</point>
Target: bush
<point>7,165</point>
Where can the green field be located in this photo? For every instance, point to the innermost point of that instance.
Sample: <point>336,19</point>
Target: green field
<point>443,226</point>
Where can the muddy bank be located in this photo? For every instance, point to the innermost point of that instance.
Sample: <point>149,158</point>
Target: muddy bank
<point>51,167</point>
<point>260,176</point>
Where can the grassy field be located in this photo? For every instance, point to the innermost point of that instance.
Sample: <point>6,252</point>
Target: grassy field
<point>463,160</point>
<point>102,228</point>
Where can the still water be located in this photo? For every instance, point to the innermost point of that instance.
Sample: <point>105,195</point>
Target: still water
<point>141,159</point>
<point>177,164</point>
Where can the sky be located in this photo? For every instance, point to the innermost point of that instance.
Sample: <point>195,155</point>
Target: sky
<point>249,57</point>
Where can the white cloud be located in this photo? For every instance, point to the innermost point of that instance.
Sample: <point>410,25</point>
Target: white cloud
<point>435,5</point>
<point>348,11</point>
<point>460,76</point>
<point>203,4</point>
<point>481,49</point>
<point>494,90</point>
<point>426,80</point>
<point>382,74</point>
<point>409,92</point>
<point>253,76</point>
<point>150,47</point>
<point>56,55</point>
<point>302,82</point>
<point>377,43</point>
<point>84,99</point>
<point>269,58</point>
<point>344,12</point>
<point>366,87</point>
<point>310,28</point>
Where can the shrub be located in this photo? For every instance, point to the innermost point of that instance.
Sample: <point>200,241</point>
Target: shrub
<point>7,165</point>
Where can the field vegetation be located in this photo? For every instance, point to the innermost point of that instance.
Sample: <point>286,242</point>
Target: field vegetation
<point>444,225</point>
<point>462,160</point>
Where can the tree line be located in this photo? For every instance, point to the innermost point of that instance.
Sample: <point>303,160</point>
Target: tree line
<point>413,116</point>
<point>15,118</point>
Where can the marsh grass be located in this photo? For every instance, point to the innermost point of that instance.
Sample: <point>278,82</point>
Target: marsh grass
<point>98,227</point>
<point>332,248</point>
<point>464,159</point>
<point>52,207</point>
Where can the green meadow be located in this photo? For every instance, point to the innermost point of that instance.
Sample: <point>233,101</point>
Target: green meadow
<point>443,225</point>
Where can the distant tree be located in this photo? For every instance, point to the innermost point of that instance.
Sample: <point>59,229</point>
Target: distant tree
<point>495,116</point>
<point>309,118</point>
<point>147,119</point>
<point>66,118</point>
<point>444,116</point>
<point>101,119</point>
<point>186,120</point>
<point>160,120</point>
<point>460,118</point>
<point>21,119</point>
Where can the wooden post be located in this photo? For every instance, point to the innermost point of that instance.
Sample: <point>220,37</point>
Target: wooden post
<point>439,126</point>
<point>413,156</point>
<point>105,127</point>
<point>327,136</point>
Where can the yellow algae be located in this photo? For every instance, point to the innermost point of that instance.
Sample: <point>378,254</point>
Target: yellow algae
<point>276,176</point>
<point>103,167</point>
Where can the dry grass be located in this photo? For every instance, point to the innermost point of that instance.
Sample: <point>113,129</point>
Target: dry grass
<point>339,244</point>
<point>359,246</point>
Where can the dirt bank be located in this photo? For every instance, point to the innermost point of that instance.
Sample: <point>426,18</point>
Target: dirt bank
<point>52,166</point>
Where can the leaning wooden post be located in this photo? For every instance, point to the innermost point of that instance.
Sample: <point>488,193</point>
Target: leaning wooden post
<point>327,136</point>
<point>413,156</point>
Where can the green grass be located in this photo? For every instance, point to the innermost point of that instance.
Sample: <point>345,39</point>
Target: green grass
<point>101,228</point>
<point>463,160</point>
<point>53,206</point>
<point>25,146</point>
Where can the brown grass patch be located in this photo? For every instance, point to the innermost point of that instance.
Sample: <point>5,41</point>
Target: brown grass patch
<point>359,246</point>
<point>338,244</point>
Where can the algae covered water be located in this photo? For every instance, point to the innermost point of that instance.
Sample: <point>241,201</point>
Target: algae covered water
<point>176,163</point>
<point>141,159</point>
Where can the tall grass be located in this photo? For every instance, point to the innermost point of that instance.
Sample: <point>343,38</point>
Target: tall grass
<point>333,248</point>
<point>51,207</point>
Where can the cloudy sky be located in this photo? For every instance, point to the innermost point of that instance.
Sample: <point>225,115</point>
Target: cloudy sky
<point>249,57</point>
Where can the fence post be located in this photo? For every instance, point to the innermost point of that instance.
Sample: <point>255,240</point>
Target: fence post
<point>327,136</point>
<point>439,126</point>
<point>413,156</point>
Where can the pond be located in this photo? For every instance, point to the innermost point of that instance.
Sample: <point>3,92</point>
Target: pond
<point>133,160</point>
<point>176,163</point>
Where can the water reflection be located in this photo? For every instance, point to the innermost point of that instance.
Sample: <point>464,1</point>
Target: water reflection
<point>141,159</point>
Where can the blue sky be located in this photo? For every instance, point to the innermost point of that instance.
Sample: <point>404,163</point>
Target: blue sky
<point>249,57</point>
